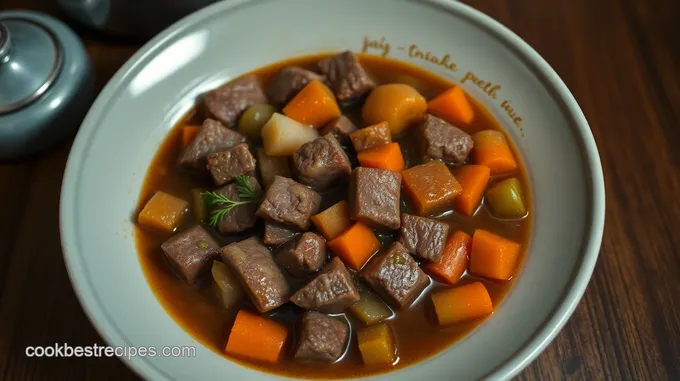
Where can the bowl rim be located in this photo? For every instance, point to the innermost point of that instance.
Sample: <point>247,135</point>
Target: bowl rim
<point>516,361</point>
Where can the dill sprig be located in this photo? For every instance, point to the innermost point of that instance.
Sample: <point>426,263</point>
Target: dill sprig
<point>221,205</point>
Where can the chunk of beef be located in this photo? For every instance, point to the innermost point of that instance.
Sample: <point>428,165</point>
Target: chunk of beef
<point>347,78</point>
<point>374,197</point>
<point>322,338</point>
<point>423,237</point>
<point>275,234</point>
<point>322,163</point>
<point>288,82</point>
<point>224,166</point>
<point>262,279</point>
<point>395,276</point>
<point>227,102</point>
<point>272,166</point>
<point>440,140</point>
<point>290,203</point>
<point>331,291</point>
<point>340,128</point>
<point>190,252</point>
<point>242,217</point>
<point>213,137</point>
<point>303,256</point>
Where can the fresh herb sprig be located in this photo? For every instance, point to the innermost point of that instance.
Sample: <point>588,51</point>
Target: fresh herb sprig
<point>221,205</point>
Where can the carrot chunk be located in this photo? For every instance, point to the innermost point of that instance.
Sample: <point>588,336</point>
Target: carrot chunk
<point>371,136</point>
<point>492,149</point>
<point>189,134</point>
<point>256,338</point>
<point>454,260</point>
<point>473,180</point>
<point>384,157</point>
<point>163,212</point>
<point>314,105</point>
<point>493,256</point>
<point>333,221</point>
<point>430,187</point>
<point>453,106</point>
<point>355,245</point>
<point>455,305</point>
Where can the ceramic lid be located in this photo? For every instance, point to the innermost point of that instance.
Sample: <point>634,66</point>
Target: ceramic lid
<point>30,61</point>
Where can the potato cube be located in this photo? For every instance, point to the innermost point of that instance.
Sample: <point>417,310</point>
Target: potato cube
<point>333,221</point>
<point>376,344</point>
<point>282,136</point>
<point>371,136</point>
<point>163,212</point>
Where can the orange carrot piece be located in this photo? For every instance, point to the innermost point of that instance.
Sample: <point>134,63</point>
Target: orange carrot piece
<point>189,134</point>
<point>314,105</point>
<point>493,256</point>
<point>384,157</point>
<point>473,179</point>
<point>458,304</point>
<point>333,221</point>
<point>453,106</point>
<point>454,260</point>
<point>256,338</point>
<point>430,187</point>
<point>491,149</point>
<point>355,245</point>
<point>163,212</point>
<point>371,136</point>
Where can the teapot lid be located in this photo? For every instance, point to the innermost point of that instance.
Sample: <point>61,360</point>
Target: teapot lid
<point>30,61</point>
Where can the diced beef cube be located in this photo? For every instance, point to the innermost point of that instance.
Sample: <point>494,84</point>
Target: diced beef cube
<point>374,197</point>
<point>290,203</point>
<point>440,140</point>
<point>264,281</point>
<point>275,234</point>
<point>347,78</point>
<point>331,291</point>
<point>241,217</point>
<point>213,137</point>
<point>322,163</point>
<point>303,256</point>
<point>395,276</point>
<point>227,102</point>
<point>190,252</point>
<point>272,166</point>
<point>322,338</point>
<point>288,83</point>
<point>224,166</point>
<point>340,128</point>
<point>423,237</point>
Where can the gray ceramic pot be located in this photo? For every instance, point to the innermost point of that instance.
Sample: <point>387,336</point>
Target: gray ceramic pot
<point>46,84</point>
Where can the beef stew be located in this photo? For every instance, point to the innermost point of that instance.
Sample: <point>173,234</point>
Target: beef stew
<point>353,241</point>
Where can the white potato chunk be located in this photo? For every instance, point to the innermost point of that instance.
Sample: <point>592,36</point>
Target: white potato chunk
<point>282,136</point>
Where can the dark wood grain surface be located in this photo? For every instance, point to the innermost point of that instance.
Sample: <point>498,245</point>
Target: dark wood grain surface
<point>620,58</point>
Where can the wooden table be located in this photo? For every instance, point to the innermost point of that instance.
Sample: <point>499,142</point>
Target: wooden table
<point>620,58</point>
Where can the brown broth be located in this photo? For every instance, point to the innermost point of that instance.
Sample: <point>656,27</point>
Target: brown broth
<point>417,334</point>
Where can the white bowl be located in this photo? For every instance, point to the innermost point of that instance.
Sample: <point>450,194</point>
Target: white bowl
<point>160,83</point>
